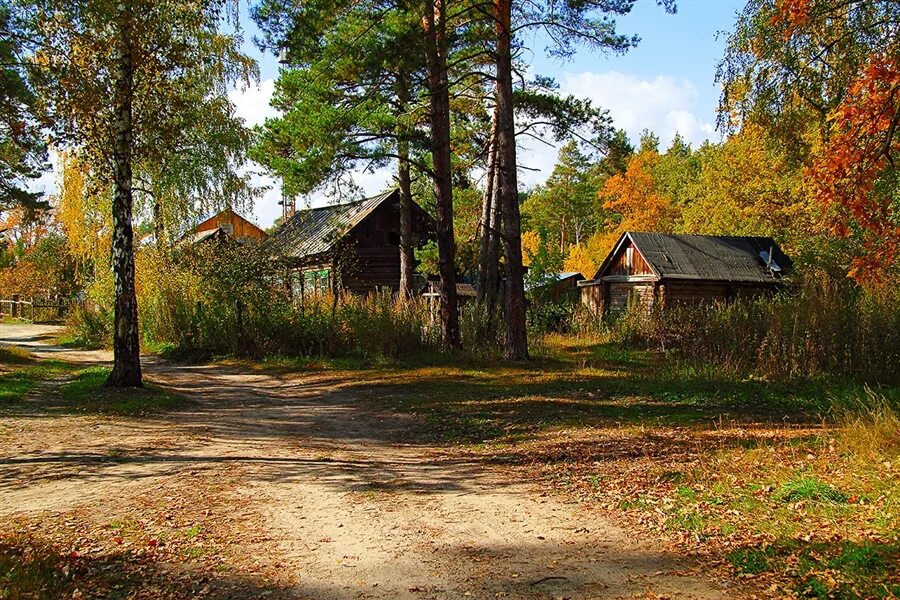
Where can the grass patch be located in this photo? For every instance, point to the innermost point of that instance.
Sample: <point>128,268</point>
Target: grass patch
<point>17,383</point>
<point>846,569</point>
<point>85,392</point>
<point>13,355</point>
<point>808,488</point>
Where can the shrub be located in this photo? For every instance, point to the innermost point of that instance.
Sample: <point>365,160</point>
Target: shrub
<point>90,326</point>
<point>221,299</point>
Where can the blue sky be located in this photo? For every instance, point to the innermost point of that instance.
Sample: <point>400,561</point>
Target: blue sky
<point>666,84</point>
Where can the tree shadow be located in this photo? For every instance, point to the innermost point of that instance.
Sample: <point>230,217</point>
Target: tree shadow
<point>32,568</point>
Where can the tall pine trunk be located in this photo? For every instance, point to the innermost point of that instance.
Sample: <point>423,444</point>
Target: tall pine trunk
<point>514,297</point>
<point>488,257</point>
<point>126,370</point>
<point>439,105</point>
<point>406,249</point>
<point>407,261</point>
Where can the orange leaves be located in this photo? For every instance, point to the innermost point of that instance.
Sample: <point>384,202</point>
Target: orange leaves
<point>793,12</point>
<point>852,171</point>
<point>636,197</point>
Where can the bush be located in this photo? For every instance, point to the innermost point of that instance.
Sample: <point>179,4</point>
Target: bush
<point>90,326</point>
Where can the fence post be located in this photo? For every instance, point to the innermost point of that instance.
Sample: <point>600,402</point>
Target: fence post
<point>15,306</point>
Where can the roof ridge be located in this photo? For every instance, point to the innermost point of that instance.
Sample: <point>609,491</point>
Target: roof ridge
<point>703,235</point>
<point>350,203</point>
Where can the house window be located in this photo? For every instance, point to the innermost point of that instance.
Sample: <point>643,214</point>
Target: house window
<point>629,257</point>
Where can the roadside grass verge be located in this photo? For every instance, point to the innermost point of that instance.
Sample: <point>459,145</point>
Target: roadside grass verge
<point>75,389</point>
<point>20,374</point>
<point>793,486</point>
<point>85,392</point>
<point>12,355</point>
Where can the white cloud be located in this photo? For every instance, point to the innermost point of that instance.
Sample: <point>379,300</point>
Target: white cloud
<point>662,104</point>
<point>252,103</point>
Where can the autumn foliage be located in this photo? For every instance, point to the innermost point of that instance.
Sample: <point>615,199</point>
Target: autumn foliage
<point>855,173</point>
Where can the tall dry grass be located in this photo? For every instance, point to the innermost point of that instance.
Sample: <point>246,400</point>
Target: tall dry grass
<point>820,328</point>
<point>226,300</point>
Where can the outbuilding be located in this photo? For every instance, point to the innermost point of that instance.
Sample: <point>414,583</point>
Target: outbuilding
<point>668,269</point>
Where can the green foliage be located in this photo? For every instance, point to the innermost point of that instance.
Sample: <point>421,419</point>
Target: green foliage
<point>23,151</point>
<point>808,488</point>
<point>341,109</point>
<point>566,206</point>
<point>187,142</point>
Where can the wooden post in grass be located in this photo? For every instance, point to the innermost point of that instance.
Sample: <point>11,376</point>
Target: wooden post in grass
<point>15,306</point>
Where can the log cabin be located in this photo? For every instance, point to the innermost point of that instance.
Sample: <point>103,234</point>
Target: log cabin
<point>668,269</point>
<point>354,246</point>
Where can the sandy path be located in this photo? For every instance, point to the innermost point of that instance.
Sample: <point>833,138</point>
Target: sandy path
<point>351,505</point>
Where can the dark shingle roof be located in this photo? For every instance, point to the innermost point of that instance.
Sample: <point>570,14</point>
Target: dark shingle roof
<point>707,257</point>
<point>315,230</point>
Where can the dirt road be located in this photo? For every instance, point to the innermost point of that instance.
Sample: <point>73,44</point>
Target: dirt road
<point>345,502</point>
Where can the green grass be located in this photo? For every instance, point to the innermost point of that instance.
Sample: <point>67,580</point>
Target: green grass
<point>24,374</point>
<point>85,392</point>
<point>75,342</point>
<point>81,390</point>
<point>827,570</point>
<point>808,488</point>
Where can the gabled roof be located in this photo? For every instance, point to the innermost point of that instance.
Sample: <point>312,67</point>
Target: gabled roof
<point>226,220</point>
<point>200,236</point>
<point>314,231</point>
<point>705,257</point>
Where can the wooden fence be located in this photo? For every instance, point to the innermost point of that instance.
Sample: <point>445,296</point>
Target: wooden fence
<point>36,309</point>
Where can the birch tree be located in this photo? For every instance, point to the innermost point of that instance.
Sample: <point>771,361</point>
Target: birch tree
<point>119,81</point>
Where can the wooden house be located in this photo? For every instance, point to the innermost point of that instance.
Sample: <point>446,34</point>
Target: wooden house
<point>226,223</point>
<point>670,269</point>
<point>359,241</point>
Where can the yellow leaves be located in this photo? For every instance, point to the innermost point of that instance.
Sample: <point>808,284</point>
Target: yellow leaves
<point>83,213</point>
<point>581,260</point>
<point>531,240</point>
